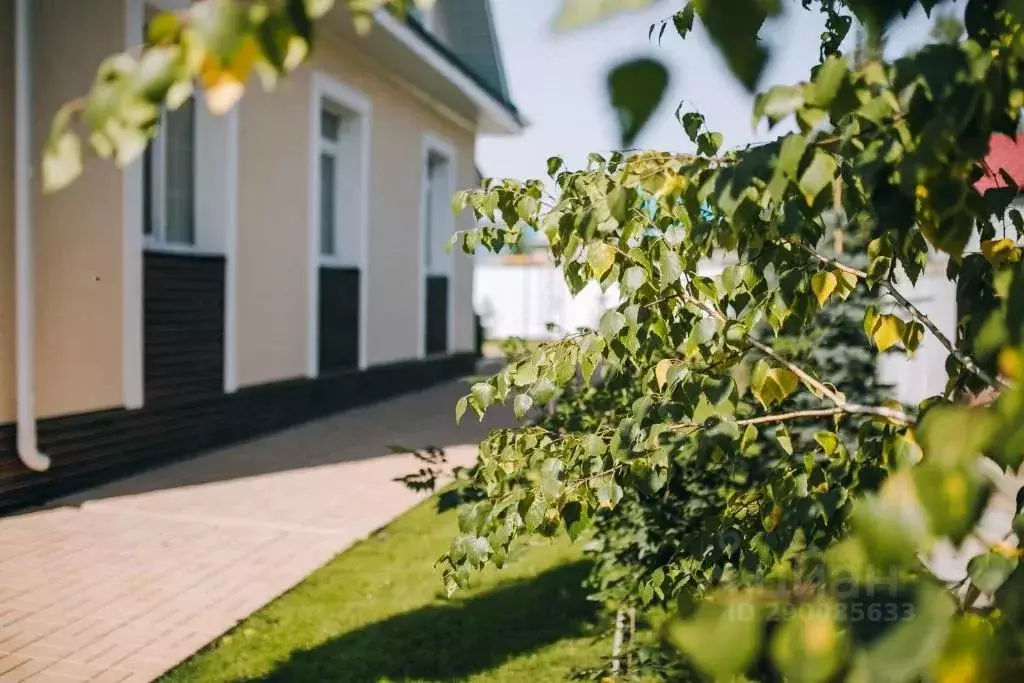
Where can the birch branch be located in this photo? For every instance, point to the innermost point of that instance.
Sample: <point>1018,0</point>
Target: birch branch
<point>915,313</point>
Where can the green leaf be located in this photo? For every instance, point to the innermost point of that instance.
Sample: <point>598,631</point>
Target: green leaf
<point>779,102</point>
<point>543,390</point>
<point>600,256</point>
<point>819,175</point>
<point>879,259</point>
<point>827,81</point>
<point>670,267</point>
<point>555,164</point>
<point>593,446</point>
<point>749,438</point>
<point>633,279</point>
<point>318,8</point>
<point>913,631</point>
<point>683,21</point>
<point>578,13</point>
<point>62,162</point>
<point>829,441</point>
<point>478,549</point>
<point>971,646</point>
<point>635,89</point>
<point>708,144</point>
<point>692,124</point>
<point>951,436</point>
<point>893,524</point>
<point>611,323</point>
<point>609,493</point>
<point>535,513</point>
<point>810,646</point>
<point>576,518</point>
<point>734,27</point>
<point>460,200</point>
<point>551,477</point>
<point>484,393</point>
<point>460,409</point>
<point>953,497</point>
<point>522,404</point>
<point>738,622</point>
<point>989,571</point>
<point>913,335</point>
<point>219,25</point>
<point>823,283</point>
<point>791,152</point>
<point>163,28</point>
<point>784,439</point>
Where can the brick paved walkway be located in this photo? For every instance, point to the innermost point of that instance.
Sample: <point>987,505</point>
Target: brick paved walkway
<point>122,582</point>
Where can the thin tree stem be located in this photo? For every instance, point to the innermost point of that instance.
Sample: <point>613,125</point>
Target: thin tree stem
<point>794,415</point>
<point>847,409</point>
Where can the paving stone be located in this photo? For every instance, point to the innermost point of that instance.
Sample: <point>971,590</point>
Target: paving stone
<point>121,582</point>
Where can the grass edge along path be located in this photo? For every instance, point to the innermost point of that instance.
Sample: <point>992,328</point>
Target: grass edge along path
<point>377,612</point>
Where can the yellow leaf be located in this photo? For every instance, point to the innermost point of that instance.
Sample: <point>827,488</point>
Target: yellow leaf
<point>1010,363</point>
<point>774,385</point>
<point>998,252</point>
<point>222,92</point>
<point>600,256</point>
<point>661,372</point>
<point>824,283</point>
<point>887,331</point>
<point>786,380</point>
<point>245,59</point>
<point>225,86</point>
<point>845,283</point>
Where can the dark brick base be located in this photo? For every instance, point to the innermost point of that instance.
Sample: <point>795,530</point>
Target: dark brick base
<point>93,448</point>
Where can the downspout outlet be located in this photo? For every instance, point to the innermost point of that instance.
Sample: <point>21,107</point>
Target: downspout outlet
<point>28,448</point>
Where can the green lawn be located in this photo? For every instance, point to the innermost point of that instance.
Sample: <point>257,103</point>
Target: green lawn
<point>377,613</point>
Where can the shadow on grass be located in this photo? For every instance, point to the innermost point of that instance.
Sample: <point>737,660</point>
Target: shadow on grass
<point>451,641</point>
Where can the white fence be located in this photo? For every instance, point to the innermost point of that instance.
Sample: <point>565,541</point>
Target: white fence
<point>519,296</point>
<point>520,299</point>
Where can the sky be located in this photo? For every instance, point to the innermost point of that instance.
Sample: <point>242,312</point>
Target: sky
<point>557,80</point>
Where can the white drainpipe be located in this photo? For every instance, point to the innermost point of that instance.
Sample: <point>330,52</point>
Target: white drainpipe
<point>28,447</point>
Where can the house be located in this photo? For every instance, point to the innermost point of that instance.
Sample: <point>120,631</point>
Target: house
<point>252,271</point>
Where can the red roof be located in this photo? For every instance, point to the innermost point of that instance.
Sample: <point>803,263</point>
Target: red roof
<point>1004,153</point>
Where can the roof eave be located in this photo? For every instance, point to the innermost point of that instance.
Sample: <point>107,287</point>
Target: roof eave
<point>496,117</point>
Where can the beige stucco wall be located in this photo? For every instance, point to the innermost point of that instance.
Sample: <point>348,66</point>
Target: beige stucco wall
<point>273,219</point>
<point>7,387</point>
<point>272,244</point>
<point>465,330</point>
<point>78,230</point>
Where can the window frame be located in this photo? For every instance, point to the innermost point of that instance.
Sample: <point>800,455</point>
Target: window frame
<point>156,217</point>
<point>349,160</point>
<point>355,109</point>
<point>436,145</point>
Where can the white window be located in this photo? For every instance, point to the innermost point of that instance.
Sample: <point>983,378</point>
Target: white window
<point>339,185</point>
<point>339,198</point>
<point>438,220</point>
<point>169,191</point>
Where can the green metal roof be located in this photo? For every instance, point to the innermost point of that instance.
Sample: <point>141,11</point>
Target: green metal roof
<point>470,44</point>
